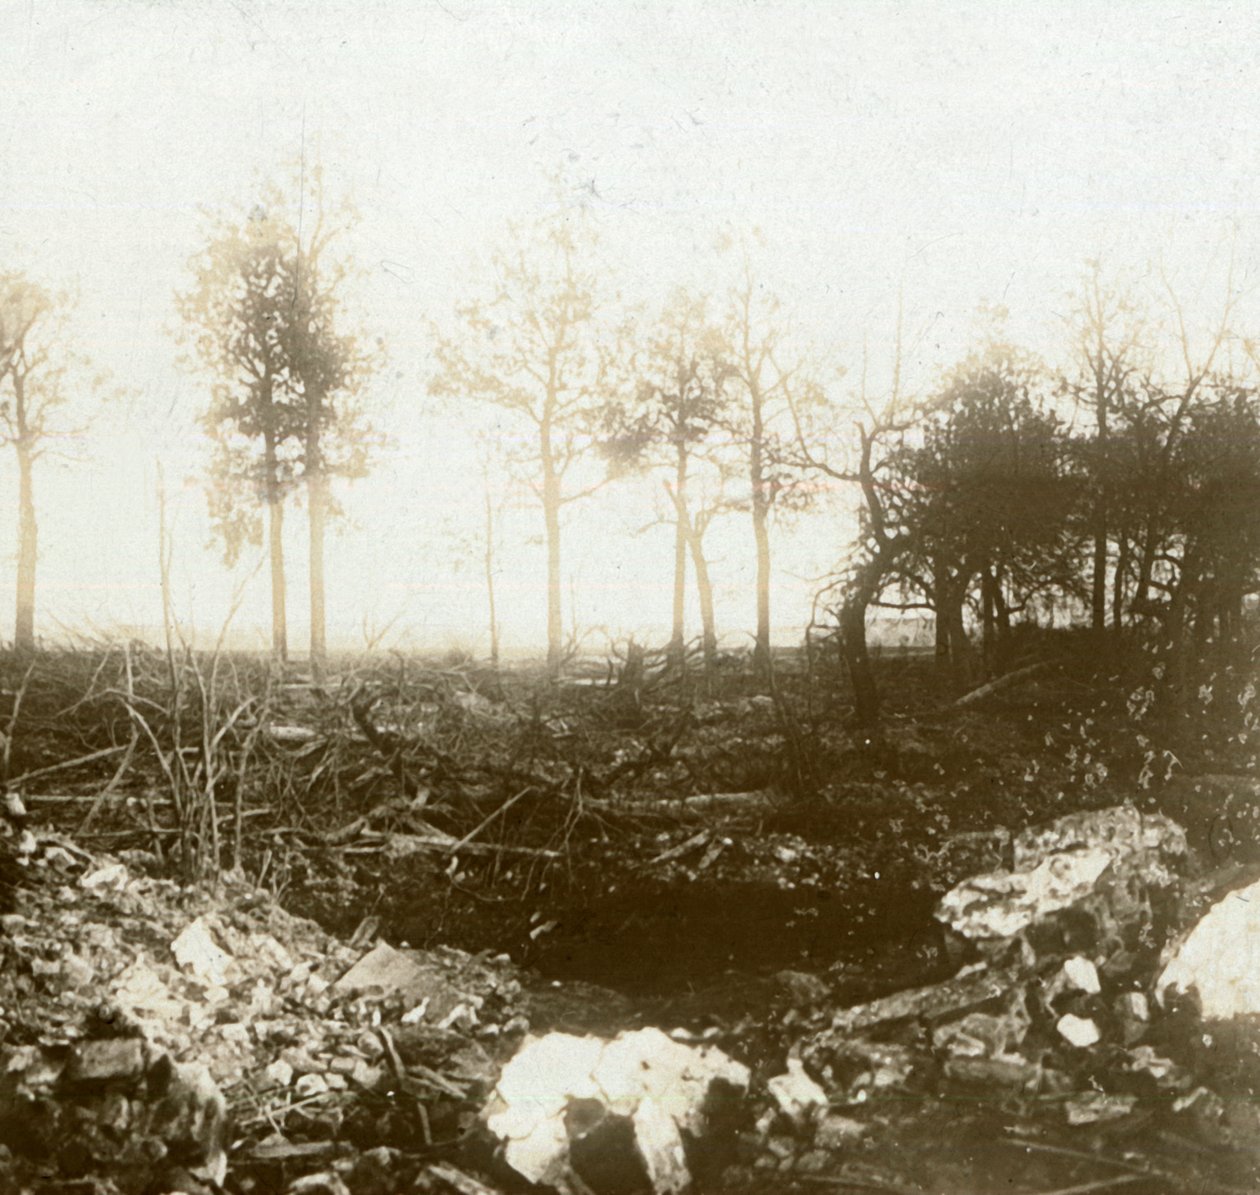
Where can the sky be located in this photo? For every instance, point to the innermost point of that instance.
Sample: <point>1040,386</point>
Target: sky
<point>940,155</point>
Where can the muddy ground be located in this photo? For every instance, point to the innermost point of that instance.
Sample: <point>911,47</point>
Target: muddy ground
<point>685,852</point>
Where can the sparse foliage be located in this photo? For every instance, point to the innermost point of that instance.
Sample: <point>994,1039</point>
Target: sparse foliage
<point>541,348</point>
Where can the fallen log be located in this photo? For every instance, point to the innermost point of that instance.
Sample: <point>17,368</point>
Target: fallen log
<point>373,843</point>
<point>1005,681</point>
<point>91,757</point>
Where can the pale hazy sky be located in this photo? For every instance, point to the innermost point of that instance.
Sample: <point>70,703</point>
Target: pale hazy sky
<point>961,152</point>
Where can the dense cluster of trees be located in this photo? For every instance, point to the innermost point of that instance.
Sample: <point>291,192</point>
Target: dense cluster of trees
<point>1119,488</point>
<point>1122,484</point>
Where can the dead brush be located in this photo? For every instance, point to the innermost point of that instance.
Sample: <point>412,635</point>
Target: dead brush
<point>202,732</point>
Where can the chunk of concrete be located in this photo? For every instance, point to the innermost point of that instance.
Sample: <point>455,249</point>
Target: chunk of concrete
<point>798,1096</point>
<point>967,989</point>
<point>385,971</point>
<point>1080,975</point>
<point>197,952</point>
<point>1098,1107</point>
<point>1001,904</point>
<point>1148,845</point>
<point>560,1085</point>
<point>117,1060</point>
<point>1219,960</point>
<point>1079,1031</point>
<point>1119,851</point>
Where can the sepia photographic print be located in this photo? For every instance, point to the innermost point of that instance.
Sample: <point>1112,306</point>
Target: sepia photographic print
<point>657,597</point>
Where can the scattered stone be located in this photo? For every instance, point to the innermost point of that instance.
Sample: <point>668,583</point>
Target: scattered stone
<point>803,988</point>
<point>1167,1075</point>
<point>1133,1006</point>
<point>1080,975</point>
<point>1098,1107</point>
<point>1013,1074</point>
<point>198,953</point>
<point>1079,1031</point>
<point>327,1182</point>
<point>311,1085</point>
<point>1148,845</point>
<point>798,1096</point>
<point>116,1106</point>
<point>814,1161</point>
<point>981,1035</point>
<point>278,1073</point>
<point>457,1180</point>
<point>388,972</point>
<point>838,1132</point>
<point>559,1089</point>
<point>1001,904</point>
<point>112,875</point>
<point>1113,854</point>
<point>863,1069</point>
<point>95,1063</point>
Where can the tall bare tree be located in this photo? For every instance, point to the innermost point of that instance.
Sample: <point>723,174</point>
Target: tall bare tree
<point>539,347</point>
<point>673,423</point>
<point>33,366</point>
<point>1106,340</point>
<point>762,422</point>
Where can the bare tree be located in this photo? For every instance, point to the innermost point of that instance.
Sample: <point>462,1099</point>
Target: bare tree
<point>33,367</point>
<point>1106,336</point>
<point>534,348</point>
<point>674,424</point>
<point>761,421</point>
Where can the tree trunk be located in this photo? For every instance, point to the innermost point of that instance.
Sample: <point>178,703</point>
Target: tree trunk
<point>761,533</point>
<point>275,533</point>
<point>1117,583</point>
<point>316,499</point>
<point>853,644</point>
<point>988,617</point>
<point>1001,610</point>
<point>279,620</point>
<point>1179,631</point>
<point>551,521</point>
<point>318,512</point>
<point>941,629</point>
<point>677,640</point>
<point>704,591</point>
<point>694,537</point>
<point>962,667</point>
<point>489,569</point>
<point>1098,580</point>
<point>24,632</point>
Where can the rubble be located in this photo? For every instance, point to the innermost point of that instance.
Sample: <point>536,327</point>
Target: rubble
<point>150,1022</point>
<point>1001,904</point>
<point>1219,959</point>
<point>1146,844</point>
<point>1079,1031</point>
<point>317,1065</point>
<point>1100,861</point>
<point>799,1098</point>
<point>117,1105</point>
<point>560,1091</point>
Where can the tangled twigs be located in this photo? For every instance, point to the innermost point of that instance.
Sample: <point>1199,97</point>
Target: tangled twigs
<point>390,746</point>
